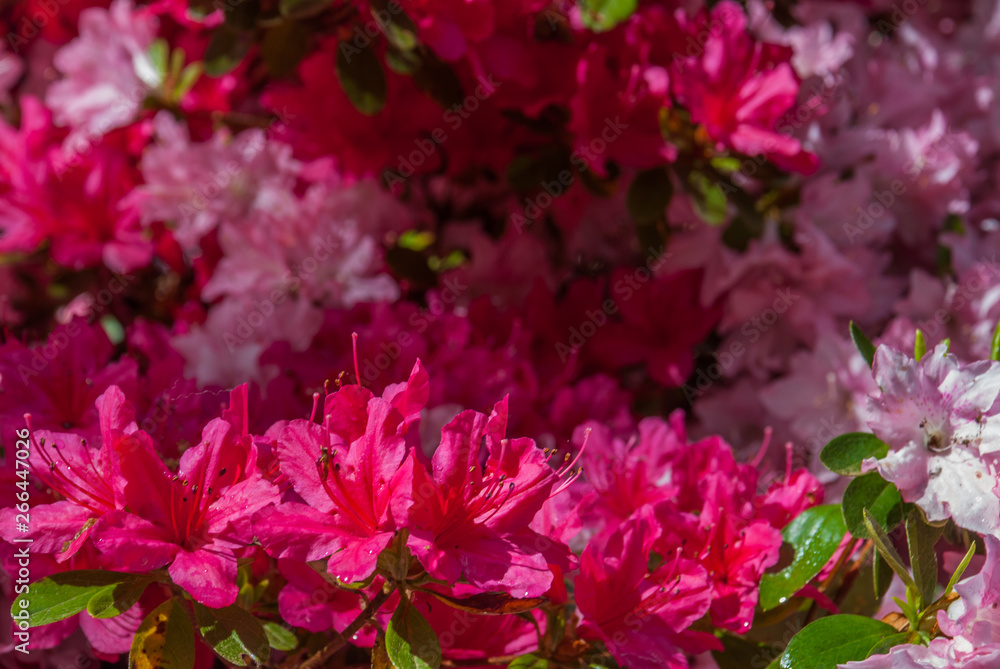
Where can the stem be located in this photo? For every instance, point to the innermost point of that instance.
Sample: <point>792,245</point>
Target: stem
<point>841,561</point>
<point>503,660</point>
<point>341,639</point>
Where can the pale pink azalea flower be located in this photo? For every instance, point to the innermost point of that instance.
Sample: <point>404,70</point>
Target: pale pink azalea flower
<point>937,416</point>
<point>196,186</point>
<point>822,396</point>
<point>971,623</point>
<point>107,70</point>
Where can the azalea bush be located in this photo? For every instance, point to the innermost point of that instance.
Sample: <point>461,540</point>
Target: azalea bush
<point>569,334</point>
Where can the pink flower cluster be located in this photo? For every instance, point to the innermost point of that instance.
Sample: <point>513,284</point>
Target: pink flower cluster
<point>477,508</point>
<point>324,311</point>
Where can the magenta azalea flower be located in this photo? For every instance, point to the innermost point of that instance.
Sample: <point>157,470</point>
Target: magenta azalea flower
<point>354,474</point>
<point>85,475</point>
<point>195,521</point>
<point>738,89</point>
<point>641,615</point>
<point>471,512</point>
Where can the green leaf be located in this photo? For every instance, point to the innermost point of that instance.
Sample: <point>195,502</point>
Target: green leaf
<point>284,46</point>
<point>882,575</point>
<point>529,661</point>
<point>995,345</point>
<point>362,78</point>
<point>727,164</point>
<point>226,49</point>
<point>410,641</point>
<point>876,495</point>
<point>885,548</point>
<point>60,596</point>
<point>234,634</point>
<point>708,198</point>
<point>397,27</point>
<point>827,642</point>
<point>280,637</point>
<point>439,82</point>
<point>649,194</point>
<point>159,52</point>
<point>415,240</point>
<point>403,62</point>
<point>603,15</point>
<point>164,640</point>
<point>116,599</point>
<point>889,642</point>
<point>739,653</point>
<point>863,343</point>
<point>919,346</point>
<point>113,328</point>
<point>921,539</point>
<point>815,533</point>
<point>188,78</point>
<point>411,265</point>
<point>298,9</point>
<point>962,566</point>
<point>846,453</point>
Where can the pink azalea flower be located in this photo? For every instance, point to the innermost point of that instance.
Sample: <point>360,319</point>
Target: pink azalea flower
<point>195,521</point>
<point>471,513</point>
<point>197,186</point>
<point>466,636</point>
<point>733,549</point>
<point>59,380</point>
<point>971,623</point>
<point>354,474</point>
<point>642,616</point>
<point>309,601</point>
<point>937,416</point>
<point>85,475</point>
<point>822,395</point>
<point>738,89</point>
<point>975,616</point>
<point>108,70</point>
<point>362,144</point>
<point>623,84</point>
<point>69,197</point>
<point>648,331</point>
<point>625,474</point>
